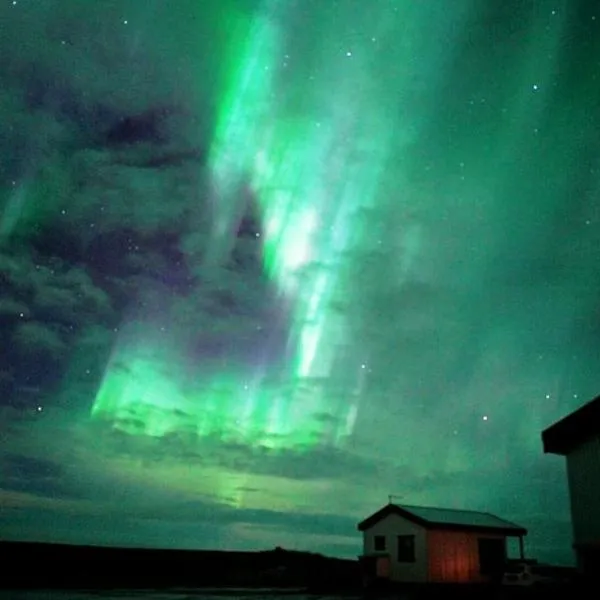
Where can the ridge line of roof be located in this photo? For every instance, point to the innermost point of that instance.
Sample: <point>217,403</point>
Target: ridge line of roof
<point>479,512</point>
<point>500,523</point>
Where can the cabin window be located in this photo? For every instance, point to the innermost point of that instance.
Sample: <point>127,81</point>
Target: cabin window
<point>379,543</point>
<point>406,548</point>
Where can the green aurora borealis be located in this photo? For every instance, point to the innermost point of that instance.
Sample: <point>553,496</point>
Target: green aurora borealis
<point>264,263</point>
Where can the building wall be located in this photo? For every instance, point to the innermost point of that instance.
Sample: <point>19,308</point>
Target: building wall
<point>583,471</point>
<point>391,527</point>
<point>454,556</point>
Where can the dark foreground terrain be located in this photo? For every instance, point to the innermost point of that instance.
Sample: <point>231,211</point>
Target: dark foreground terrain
<point>150,595</point>
<point>30,571</point>
<point>31,565</point>
<point>256,594</point>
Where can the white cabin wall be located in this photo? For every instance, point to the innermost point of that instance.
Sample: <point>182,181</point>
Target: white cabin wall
<point>391,527</point>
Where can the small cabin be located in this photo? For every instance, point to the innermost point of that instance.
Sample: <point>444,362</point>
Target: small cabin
<point>577,438</point>
<point>416,544</point>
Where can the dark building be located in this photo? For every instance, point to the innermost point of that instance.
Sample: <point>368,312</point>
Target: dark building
<point>577,437</point>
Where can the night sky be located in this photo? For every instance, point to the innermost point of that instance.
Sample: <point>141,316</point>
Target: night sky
<point>263,263</point>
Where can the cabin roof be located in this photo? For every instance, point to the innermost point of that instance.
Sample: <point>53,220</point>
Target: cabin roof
<point>445,518</point>
<point>573,430</point>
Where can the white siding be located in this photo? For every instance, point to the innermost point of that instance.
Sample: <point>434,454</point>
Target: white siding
<point>391,527</point>
<point>583,469</point>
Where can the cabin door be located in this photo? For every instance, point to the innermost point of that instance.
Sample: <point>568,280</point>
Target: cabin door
<point>492,557</point>
<point>383,567</point>
<point>375,568</point>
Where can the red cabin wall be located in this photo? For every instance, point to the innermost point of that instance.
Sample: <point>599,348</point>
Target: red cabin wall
<point>453,556</point>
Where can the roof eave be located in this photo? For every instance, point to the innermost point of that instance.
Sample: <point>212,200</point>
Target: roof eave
<point>509,531</point>
<point>382,513</point>
<point>453,527</point>
<point>573,430</point>
<point>557,449</point>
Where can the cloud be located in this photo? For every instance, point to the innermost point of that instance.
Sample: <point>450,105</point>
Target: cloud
<point>39,477</point>
<point>12,310</point>
<point>37,339</point>
<point>49,309</point>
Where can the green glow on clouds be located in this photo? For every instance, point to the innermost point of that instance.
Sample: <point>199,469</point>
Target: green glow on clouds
<point>425,187</point>
<point>312,179</point>
<point>296,168</point>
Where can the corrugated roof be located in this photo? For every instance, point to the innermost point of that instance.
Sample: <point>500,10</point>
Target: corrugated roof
<point>450,516</point>
<point>445,518</point>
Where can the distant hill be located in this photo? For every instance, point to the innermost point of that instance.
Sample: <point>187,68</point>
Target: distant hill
<point>38,565</point>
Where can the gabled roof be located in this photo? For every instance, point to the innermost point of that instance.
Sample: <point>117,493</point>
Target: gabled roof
<point>574,429</point>
<point>445,518</point>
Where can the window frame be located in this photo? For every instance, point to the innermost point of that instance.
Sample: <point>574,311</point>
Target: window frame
<point>379,538</point>
<point>406,552</point>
